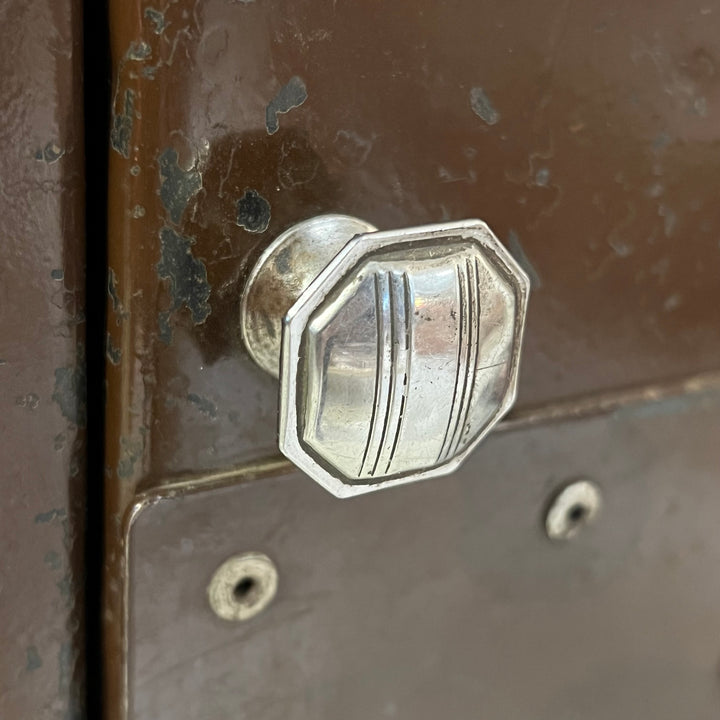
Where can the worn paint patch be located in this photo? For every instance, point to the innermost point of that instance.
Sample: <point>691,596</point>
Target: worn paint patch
<point>29,401</point>
<point>157,18</point>
<point>542,177</point>
<point>117,305</point>
<point>70,391</point>
<point>290,96</point>
<point>187,276</point>
<point>50,154</point>
<point>33,660</point>
<point>482,107</point>
<point>353,148</point>
<point>516,250</point>
<point>122,126</point>
<point>138,211</point>
<point>253,212</point>
<point>135,170</point>
<point>52,560</point>
<point>139,50</point>
<point>113,354</point>
<point>50,516</point>
<point>131,450</point>
<point>177,186</point>
<point>206,406</point>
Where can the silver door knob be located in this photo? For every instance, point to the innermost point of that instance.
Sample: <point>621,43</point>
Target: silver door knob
<point>396,351</point>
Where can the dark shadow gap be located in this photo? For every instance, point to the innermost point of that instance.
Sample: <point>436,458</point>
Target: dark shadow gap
<point>96,94</point>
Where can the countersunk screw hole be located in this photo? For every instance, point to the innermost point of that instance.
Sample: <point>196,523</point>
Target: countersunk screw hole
<point>576,513</point>
<point>575,506</point>
<point>244,588</point>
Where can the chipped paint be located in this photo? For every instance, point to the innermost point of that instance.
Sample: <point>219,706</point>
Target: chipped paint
<point>131,450</point>
<point>29,401</point>
<point>117,305</point>
<point>122,126</point>
<point>138,211</point>
<point>206,406</point>
<point>33,660</point>
<point>57,274</point>
<point>139,50</point>
<point>52,560</point>
<point>187,274</point>
<point>517,251</point>
<point>542,177</point>
<point>177,186</point>
<point>253,212</point>
<point>70,392</point>
<point>482,107</point>
<point>113,354</point>
<point>157,18</point>
<point>135,170</point>
<point>50,516</point>
<point>290,96</point>
<point>50,154</point>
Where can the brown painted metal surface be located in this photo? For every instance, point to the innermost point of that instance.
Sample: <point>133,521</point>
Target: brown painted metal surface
<point>586,136</point>
<point>42,360</point>
<point>445,599</point>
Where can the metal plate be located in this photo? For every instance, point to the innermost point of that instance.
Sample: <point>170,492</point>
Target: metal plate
<point>445,599</point>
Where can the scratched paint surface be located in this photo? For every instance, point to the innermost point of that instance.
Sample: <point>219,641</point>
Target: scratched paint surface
<point>586,136</point>
<point>42,361</point>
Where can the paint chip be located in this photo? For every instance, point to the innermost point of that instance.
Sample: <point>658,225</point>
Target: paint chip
<point>177,186</point>
<point>70,391</point>
<point>157,18</point>
<point>482,107</point>
<point>187,275</point>
<point>122,126</point>
<point>253,212</point>
<point>50,154</point>
<point>33,661</point>
<point>290,96</point>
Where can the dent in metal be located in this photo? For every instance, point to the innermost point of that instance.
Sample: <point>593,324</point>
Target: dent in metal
<point>253,212</point>
<point>177,186</point>
<point>187,275</point>
<point>482,107</point>
<point>290,96</point>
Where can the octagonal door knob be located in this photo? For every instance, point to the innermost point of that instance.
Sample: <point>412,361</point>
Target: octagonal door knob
<point>396,351</point>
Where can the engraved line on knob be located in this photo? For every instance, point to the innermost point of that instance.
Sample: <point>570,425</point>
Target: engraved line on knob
<point>473,279</point>
<point>393,366</point>
<point>378,370</point>
<point>466,320</point>
<point>407,317</point>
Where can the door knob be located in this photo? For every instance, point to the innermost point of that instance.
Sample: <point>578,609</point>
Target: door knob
<point>396,351</point>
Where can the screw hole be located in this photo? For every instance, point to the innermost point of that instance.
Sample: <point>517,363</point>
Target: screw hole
<point>576,514</point>
<point>244,587</point>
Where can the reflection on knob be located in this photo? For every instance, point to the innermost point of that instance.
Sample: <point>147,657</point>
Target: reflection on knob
<point>396,351</point>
